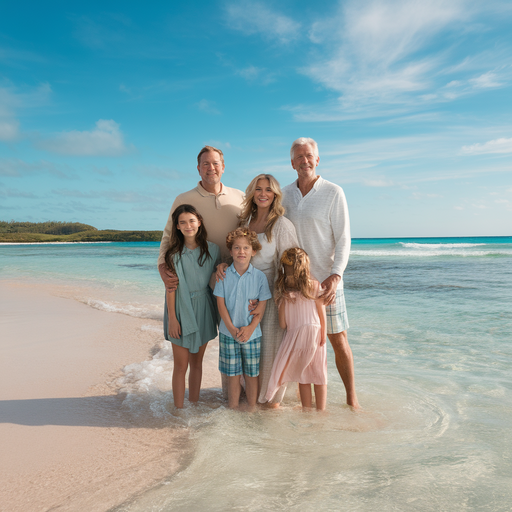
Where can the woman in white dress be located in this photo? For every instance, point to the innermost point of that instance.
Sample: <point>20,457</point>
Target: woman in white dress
<point>262,212</point>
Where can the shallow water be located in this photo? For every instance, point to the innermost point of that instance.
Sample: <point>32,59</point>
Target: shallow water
<point>431,332</point>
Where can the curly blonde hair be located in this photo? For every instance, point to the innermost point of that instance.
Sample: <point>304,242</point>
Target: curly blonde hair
<point>250,210</point>
<point>246,233</point>
<point>297,260</point>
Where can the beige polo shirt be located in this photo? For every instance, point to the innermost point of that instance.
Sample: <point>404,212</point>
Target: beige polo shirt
<point>220,215</point>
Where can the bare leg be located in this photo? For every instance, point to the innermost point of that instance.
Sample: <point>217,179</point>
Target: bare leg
<point>306,397</point>
<point>234,391</point>
<point>225,385</point>
<point>320,396</point>
<point>196,374</point>
<point>251,391</point>
<point>180,356</point>
<point>345,365</point>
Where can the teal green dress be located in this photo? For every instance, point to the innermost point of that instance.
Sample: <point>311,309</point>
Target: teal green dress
<point>196,309</point>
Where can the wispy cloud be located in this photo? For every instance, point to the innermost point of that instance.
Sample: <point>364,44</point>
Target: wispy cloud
<point>389,57</point>
<point>9,129</point>
<point>12,192</point>
<point>102,32</point>
<point>255,74</point>
<point>15,168</point>
<point>257,18</point>
<point>208,107</point>
<point>105,139</point>
<point>377,183</point>
<point>13,99</point>
<point>117,196</point>
<point>493,146</point>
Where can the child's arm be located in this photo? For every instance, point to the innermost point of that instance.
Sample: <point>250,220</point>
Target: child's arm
<point>174,326</point>
<point>282,318</point>
<point>320,307</point>
<point>245,332</point>
<point>224,314</point>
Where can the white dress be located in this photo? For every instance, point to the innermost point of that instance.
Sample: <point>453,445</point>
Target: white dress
<point>267,260</point>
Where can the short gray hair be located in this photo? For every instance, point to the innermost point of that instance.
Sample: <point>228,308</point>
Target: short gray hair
<point>302,141</point>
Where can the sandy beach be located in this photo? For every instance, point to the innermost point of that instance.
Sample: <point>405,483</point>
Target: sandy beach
<point>65,440</point>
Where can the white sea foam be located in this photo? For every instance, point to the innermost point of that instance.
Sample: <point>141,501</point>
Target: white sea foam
<point>147,384</point>
<point>137,310</point>
<point>149,376</point>
<point>152,328</point>
<point>438,246</point>
<point>425,252</point>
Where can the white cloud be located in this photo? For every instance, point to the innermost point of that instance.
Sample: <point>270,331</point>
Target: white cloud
<point>486,81</point>
<point>493,146</point>
<point>16,168</point>
<point>9,129</point>
<point>390,57</point>
<point>378,183</point>
<point>13,99</point>
<point>208,107</point>
<point>104,140</point>
<point>257,18</point>
<point>11,192</point>
<point>255,74</point>
<point>373,52</point>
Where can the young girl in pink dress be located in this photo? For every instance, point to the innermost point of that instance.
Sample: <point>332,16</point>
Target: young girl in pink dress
<point>302,355</point>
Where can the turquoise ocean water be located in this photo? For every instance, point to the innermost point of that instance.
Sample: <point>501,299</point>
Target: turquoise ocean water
<point>431,333</point>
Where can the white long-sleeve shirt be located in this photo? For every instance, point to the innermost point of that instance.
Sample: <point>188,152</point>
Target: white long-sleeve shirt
<point>322,224</point>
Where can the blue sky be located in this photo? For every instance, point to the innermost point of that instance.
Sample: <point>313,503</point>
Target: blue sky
<point>105,105</point>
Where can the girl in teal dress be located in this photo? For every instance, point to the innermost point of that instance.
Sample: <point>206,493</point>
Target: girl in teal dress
<point>190,317</point>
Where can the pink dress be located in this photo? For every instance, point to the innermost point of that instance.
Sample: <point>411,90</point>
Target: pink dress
<point>300,357</point>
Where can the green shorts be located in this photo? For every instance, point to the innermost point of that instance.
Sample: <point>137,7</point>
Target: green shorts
<point>236,358</point>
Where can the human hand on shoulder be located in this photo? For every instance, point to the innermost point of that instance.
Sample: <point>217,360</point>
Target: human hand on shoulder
<point>220,274</point>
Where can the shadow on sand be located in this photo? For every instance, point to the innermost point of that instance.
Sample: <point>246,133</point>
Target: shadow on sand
<point>94,411</point>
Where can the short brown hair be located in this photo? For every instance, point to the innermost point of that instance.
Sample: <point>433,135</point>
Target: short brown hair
<point>251,237</point>
<point>209,148</point>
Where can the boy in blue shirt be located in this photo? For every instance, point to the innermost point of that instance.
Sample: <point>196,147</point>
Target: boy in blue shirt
<point>239,331</point>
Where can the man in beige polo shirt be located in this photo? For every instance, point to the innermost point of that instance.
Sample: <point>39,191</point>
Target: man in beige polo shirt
<point>219,206</point>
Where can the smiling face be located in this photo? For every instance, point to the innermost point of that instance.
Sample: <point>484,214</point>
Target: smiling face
<point>263,195</point>
<point>211,168</point>
<point>188,224</point>
<point>242,251</point>
<point>305,161</point>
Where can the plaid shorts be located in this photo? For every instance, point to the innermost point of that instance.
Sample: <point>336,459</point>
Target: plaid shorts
<point>237,358</point>
<point>337,319</point>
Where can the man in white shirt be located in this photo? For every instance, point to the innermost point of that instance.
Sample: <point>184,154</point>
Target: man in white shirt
<point>319,211</point>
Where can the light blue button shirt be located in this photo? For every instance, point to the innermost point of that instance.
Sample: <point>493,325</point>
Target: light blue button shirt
<point>237,290</point>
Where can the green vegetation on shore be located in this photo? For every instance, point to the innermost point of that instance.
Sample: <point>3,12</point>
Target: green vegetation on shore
<point>26,232</point>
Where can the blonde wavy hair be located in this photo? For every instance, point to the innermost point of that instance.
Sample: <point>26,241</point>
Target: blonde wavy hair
<point>249,208</point>
<point>298,276</point>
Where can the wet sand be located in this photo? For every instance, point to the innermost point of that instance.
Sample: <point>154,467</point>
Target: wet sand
<point>65,440</point>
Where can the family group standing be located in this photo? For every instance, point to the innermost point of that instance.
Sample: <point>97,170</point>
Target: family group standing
<point>310,214</point>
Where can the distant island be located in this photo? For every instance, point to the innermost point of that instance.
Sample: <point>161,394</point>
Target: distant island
<point>33,232</point>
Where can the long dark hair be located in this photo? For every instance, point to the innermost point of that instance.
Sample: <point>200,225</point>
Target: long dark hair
<point>178,240</point>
